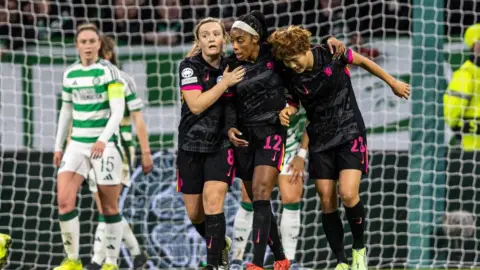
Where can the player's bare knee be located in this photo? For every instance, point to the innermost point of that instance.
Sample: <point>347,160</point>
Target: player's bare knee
<point>196,217</point>
<point>349,197</point>
<point>213,202</point>
<point>214,193</point>
<point>261,191</point>
<point>329,204</point>
<point>110,208</point>
<point>288,198</point>
<point>65,204</point>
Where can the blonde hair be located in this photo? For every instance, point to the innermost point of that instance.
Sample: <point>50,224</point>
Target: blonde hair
<point>290,41</point>
<point>108,46</point>
<point>196,47</point>
<point>85,27</point>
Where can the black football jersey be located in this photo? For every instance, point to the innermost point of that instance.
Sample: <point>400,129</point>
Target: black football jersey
<point>327,95</point>
<point>203,132</point>
<point>260,96</point>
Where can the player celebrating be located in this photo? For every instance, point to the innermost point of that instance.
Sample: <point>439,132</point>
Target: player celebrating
<point>338,145</point>
<point>205,159</point>
<point>260,138</point>
<point>132,112</point>
<point>291,195</point>
<point>94,98</point>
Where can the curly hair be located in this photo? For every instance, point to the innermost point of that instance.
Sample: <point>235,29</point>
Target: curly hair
<point>290,41</point>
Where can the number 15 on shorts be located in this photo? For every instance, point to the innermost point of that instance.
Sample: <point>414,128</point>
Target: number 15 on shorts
<point>108,169</point>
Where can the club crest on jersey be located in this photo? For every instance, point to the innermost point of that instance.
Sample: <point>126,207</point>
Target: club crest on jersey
<point>327,71</point>
<point>270,65</point>
<point>187,72</point>
<point>219,78</point>
<point>96,81</point>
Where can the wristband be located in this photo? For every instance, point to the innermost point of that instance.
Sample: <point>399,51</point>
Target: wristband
<point>302,153</point>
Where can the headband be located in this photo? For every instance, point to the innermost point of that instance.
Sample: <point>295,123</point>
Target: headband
<point>245,27</point>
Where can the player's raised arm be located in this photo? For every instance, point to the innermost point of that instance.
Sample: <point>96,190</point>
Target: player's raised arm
<point>336,132</point>
<point>209,40</point>
<point>399,88</point>
<point>197,100</point>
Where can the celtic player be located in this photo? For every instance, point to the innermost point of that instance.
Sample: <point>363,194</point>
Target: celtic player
<point>93,104</point>
<point>290,182</point>
<point>132,112</point>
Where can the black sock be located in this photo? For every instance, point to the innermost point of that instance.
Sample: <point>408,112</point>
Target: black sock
<point>333,227</point>
<point>356,219</point>
<point>262,214</point>
<point>274,241</point>
<point>215,236</point>
<point>200,227</point>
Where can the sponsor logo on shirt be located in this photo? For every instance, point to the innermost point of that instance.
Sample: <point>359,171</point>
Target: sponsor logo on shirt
<point>189,80</point>
<point>86,94</point>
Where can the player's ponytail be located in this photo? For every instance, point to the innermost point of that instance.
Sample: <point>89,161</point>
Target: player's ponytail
<point>262,24</point>
<point>253,23</point>
<point>196,46</point>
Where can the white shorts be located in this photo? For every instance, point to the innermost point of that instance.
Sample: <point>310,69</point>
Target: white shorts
<point>106,170</point>
<point>286,163</point>
<point>92,184</point>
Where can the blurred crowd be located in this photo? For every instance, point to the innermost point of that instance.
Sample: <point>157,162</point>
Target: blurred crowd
<point>170,22</point>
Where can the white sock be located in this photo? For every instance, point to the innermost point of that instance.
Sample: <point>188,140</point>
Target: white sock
<point>290,230</point>
<point>70,228</point>
<point>242,228</point>
<point>99,252</point>
<point>113,235</point>
<point>129,239</point>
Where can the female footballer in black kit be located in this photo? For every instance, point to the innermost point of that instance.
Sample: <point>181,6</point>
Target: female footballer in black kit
<point>336,131</point>
<point>205,159</point>
<point>254,128</point>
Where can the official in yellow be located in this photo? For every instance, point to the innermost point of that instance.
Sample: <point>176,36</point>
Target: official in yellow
<point>462,98</point>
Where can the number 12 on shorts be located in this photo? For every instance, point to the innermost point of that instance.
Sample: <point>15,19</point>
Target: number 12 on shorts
<point>274,144</point>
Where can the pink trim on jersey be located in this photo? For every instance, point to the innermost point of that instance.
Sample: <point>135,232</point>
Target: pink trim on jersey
<point>192,87</point>
<point>228,94</point>
<point>290,102</point>
<point>349,56</point>
<point>347,71</point>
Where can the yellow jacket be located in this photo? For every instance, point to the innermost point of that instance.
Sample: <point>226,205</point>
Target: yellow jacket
<point>462,104</point>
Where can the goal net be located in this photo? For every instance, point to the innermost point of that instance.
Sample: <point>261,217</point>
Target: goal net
<point>431,223</point>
